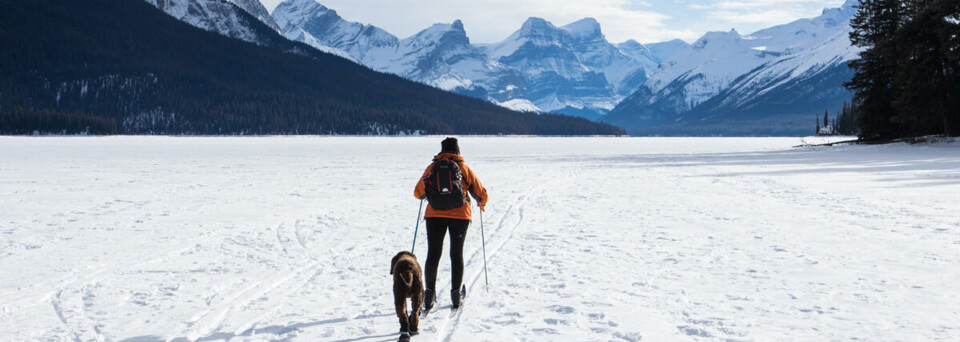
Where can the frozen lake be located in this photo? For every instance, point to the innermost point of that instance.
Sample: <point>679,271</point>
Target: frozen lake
<point>659,239</point>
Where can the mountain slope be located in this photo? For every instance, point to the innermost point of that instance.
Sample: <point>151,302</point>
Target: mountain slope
<point>128,61</point>
<point>221,16</point>
<point>256,9</point>
<point>570,69</point>
<point>312,23</point>
<point>727,75</point>
<point>665,50</point>
<point>443,57</point>
<point>757,87</point>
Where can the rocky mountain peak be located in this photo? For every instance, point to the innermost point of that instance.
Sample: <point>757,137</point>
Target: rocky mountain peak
<point>584,29</point>
<point>538,28</point>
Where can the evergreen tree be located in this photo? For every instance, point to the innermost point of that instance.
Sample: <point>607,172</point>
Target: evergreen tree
<point>874,25</point>
<point>818,125</point>
<point>950,47</point>
<point>921,80</point>
<point>848,119</point>
<point>906,81</point>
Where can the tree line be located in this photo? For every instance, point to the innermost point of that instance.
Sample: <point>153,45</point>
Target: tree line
<point>22,121</point>
<point>844,122</point>
<point>906,81</point>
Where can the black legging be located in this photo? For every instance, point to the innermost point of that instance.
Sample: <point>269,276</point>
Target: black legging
<point>436,230</point>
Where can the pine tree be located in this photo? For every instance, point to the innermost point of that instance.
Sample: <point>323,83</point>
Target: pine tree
<point>818,125</point>
<point>920,80</point>
<point>950,44</point>
<point>874,25</point>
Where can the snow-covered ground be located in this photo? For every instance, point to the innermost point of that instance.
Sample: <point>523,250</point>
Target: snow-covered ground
<point>653,239</point>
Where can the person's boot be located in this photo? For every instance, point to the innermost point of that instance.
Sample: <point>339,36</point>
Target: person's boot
<point>455,298</point>
<point>429,299</point>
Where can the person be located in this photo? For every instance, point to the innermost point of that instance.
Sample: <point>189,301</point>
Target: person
<point>455,221</point>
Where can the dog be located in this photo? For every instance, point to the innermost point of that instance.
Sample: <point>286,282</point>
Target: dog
<point>407,283</point>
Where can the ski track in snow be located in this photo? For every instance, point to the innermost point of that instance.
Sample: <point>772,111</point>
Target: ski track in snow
<point>449,323</point>
<point>620,239</point>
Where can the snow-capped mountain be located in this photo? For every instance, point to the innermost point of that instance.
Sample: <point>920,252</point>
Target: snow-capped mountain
<point>665,50</point>
<point>440,55</point>
<point>571,67</point>
<point>312,23</point>
<point>221,16</point>
<point>255,8</point>
<point>819,61</point>
<point>540,67</point>
<point>724,72</point>
<point>555,76</point>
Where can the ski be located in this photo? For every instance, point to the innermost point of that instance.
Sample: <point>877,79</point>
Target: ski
<point>463,298</point>
<point>425,311</point>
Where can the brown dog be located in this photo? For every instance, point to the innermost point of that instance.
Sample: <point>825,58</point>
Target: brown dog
<point>407,283</point>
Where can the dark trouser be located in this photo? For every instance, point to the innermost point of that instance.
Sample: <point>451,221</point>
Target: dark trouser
<point>437,228</point>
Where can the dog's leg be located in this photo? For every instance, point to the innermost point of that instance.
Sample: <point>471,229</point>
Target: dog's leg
<point>417,302</point>
<point>400,301</point>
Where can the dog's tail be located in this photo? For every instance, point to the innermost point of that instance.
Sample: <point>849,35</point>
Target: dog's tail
<point>408,282</point>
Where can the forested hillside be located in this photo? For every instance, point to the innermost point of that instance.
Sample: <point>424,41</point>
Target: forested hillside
<point>128,62</point>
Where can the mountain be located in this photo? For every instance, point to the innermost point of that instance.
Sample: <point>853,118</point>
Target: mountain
<point>310,22</point>
<point>221,16</point>
<point>570,69</point>
<point>554,75</point>
<point>541,67</point>
<point>443,57</point>
<point>256,9</point>
<point>127,62</point>
<point>725,76</point>
<point>440,55</point>
<point>665,50</point>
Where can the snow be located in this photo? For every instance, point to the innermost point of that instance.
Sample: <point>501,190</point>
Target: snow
<point>309,39</point>
<point>522,105</point>
<point>584,29</point>
<point>768,77</point>
<point>441,55</point>
<point>751,64</point>
<point>653,239</point>
<point>214,16</point>
<point>665,50</point>
<point>451,82</point>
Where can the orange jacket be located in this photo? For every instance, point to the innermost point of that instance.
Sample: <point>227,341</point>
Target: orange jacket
<point>470,182</point>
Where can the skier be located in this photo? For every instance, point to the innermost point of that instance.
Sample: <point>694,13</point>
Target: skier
<point>455,220</point>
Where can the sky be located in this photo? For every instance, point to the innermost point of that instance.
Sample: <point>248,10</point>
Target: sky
<point>646,21</point>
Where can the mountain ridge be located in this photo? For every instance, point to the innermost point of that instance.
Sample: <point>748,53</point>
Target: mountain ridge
<point>160,75</point>
<point>723,75</point>
<point>590,74</point>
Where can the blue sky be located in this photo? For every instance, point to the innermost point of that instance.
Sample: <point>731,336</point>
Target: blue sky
<point>646,21</point>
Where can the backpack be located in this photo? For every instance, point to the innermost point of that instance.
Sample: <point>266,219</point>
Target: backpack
<point>443,185</point>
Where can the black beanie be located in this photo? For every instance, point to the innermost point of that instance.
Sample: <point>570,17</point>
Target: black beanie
<point>449,145</point>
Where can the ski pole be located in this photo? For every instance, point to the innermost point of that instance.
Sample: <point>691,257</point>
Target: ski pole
<point>417,227</point>
<point>483,241</point>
